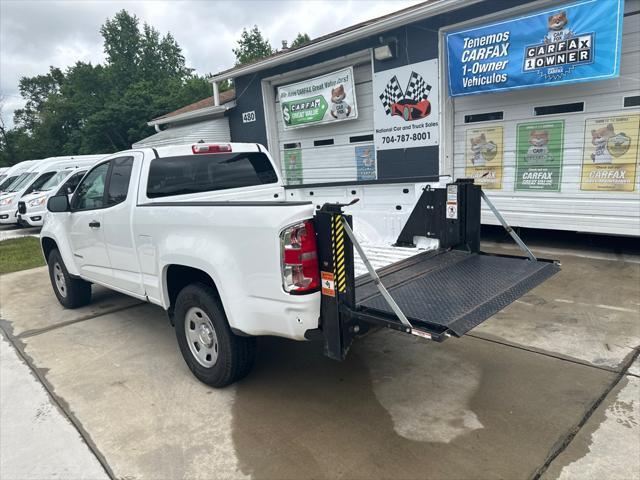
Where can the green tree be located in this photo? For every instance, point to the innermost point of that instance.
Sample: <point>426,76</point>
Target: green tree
<point>251,46</point>
<point>103,108</point>
<point>300,40</point>
<point>36,91</point>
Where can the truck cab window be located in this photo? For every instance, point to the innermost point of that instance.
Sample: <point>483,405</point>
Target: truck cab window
<point>210,172</point>
<point>90,193</point>
<point>119,180</point>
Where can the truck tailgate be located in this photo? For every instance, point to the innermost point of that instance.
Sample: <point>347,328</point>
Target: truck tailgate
<point>450,290</point>
<point>434,294</point>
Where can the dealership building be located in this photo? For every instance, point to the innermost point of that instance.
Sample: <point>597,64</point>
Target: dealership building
<point>538,101</point>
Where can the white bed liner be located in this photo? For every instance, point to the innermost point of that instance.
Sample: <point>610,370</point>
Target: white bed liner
<point>381,256</point>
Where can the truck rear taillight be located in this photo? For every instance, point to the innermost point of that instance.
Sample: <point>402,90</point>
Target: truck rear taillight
<point>211,148</point>
<point>299,256</point>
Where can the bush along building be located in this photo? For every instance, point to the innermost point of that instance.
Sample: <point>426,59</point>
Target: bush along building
<point>538,101</point>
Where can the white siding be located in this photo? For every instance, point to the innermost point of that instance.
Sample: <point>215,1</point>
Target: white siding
<point>571,208</point>
<point>216,130</point>
<point>333,163</point>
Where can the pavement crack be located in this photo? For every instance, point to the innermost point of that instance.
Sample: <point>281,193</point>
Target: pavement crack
<point>543,353</point>
<point>55,399</point>
<point>568,438</point>
<point>39,331</point>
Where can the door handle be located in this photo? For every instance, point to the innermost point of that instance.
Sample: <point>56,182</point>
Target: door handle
<point>94,224</point>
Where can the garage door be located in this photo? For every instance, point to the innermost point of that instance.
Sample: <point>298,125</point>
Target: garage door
<point>560,118</point>
<point>327,153</point>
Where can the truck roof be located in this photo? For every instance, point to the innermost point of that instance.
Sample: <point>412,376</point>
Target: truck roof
<point>187,149</point>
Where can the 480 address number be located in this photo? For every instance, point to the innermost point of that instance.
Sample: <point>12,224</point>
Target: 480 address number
<point>405,137</point>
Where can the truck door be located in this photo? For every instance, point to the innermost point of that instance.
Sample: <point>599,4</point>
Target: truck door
<point>85,226</point>
<point>120,193</point>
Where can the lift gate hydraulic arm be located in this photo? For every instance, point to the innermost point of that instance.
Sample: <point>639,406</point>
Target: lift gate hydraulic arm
<point>434,294</point>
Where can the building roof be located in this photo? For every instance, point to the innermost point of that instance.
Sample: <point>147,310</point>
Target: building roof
<point>354,32</point>
<point>203,107</point>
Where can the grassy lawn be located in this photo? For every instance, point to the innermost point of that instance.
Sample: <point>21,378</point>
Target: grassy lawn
<point>20,254</point>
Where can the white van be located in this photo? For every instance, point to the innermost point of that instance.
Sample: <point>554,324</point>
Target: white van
<point>13,172</point>
<point>33,206</point>
<point>33,180</point>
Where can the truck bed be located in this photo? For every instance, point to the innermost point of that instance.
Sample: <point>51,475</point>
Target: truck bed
<point>381,256</point>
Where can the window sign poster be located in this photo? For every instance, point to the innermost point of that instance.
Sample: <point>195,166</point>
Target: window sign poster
<point>578,42</point>
<point>292,166</point>
<point>484,154</point>
<point>610,153</point>
<point>405,106</point>
<point>540,147</point>
<point>329,98</point>
<point>366,162</point>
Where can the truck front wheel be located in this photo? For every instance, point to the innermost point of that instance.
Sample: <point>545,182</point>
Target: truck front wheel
<point>214,354</point>
<point>71,292</point>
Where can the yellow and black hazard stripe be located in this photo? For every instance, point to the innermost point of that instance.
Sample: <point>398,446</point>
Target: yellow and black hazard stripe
<point>337,248</point>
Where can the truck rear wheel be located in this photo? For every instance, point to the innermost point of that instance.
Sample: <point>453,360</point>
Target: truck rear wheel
<point>214,354</point>
<point>71,292</point>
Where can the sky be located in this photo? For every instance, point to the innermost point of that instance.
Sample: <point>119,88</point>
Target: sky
<point>37,34</point>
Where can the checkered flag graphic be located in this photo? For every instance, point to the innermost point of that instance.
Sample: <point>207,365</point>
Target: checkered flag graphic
<point>392,93</point>
<point>417,88</point>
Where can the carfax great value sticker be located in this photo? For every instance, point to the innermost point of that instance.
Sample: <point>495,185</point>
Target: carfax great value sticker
<point>329,98</point>
<point>540,147</point>
<point>573,43</point>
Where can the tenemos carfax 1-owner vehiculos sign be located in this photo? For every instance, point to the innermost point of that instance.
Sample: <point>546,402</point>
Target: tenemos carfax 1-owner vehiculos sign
<point>578,42</point>
<point>405,106</point>
<point>326,99</point>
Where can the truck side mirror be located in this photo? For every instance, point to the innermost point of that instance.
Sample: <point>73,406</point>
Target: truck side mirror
<point>58,203</point>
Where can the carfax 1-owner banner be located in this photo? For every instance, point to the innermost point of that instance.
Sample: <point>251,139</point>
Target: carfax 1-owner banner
<point>577,42</point>
<point>326,99</point>
<point>405,106</point>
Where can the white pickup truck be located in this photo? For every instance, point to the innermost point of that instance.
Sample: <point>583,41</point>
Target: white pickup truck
<point>205,232</point>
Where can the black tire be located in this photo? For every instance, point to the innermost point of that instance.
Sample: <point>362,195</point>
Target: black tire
<point>234,355</point>
<point>71,292</point>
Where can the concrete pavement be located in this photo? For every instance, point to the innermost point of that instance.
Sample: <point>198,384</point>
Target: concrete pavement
<point>545,388</point>
<point>37,440</point>
<point>612,436</point>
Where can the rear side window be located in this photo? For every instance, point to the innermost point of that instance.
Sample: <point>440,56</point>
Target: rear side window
<point>119,180</point>
<point>208,172</point>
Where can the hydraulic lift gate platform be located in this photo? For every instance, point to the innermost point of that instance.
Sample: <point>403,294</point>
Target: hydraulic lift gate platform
<point>435,294</point>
